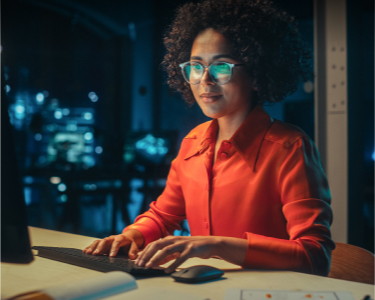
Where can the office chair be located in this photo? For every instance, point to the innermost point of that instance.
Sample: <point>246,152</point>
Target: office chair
<point>352,263</point>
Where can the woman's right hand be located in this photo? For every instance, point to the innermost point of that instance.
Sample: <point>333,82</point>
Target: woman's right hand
<point>128,243</point>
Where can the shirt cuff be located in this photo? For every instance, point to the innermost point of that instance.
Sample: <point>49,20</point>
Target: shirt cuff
<point>270,253</point>
<point>149,229</point>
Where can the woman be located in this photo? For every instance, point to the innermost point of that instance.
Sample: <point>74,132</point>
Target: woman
<point>252,188</point>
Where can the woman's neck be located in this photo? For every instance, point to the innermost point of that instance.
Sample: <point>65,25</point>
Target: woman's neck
<point>228,125</point>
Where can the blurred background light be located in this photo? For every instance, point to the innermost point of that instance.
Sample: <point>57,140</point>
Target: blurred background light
<point>308,87</point>
<point>58,114</point>
<point>88,160</point>
<point>55,180</point>
<point>40,98</point>
<point>61,187</point>
<point>88,136</point>
<point>7,89</point>
<point>38,137</point>
<point>87,116</point>
<point>66,111</point>
<point>54,104</point>
<point>28,180</point>
<point>98,149</point>
<point>71,126</point>
<point>93,96</point>
<point>20,109</point>
<point>51,127</point>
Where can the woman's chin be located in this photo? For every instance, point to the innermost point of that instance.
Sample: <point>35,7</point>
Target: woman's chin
<point>212,114</point>
<point>212,111</point>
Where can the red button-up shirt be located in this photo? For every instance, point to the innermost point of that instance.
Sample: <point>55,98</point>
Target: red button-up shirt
<point>267,185</point>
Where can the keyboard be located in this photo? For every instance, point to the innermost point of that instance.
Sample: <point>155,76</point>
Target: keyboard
<point>102,263</point>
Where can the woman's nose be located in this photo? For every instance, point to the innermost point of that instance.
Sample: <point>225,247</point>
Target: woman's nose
<point>206,78</point>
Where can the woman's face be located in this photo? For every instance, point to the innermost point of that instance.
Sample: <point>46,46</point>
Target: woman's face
<point>231,100</point>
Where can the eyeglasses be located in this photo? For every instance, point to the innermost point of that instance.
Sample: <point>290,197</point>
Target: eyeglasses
<point>220,72</point>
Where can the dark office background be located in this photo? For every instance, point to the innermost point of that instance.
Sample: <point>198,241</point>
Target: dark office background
<point>96,126</point>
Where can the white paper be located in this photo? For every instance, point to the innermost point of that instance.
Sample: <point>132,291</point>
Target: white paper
<point>156,294</point>
<point>252,294</point>
<point>97,287</point>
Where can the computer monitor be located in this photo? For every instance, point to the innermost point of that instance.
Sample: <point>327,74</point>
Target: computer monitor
<point>151,148</point>
<point>15,242</point>
<point>66,147</point>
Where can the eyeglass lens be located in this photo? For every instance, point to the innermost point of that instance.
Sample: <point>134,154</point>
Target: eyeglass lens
<point>220,72</point>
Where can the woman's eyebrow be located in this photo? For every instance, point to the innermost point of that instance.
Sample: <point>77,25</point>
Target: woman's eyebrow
<point>214,58</point>
<point>223,56</point>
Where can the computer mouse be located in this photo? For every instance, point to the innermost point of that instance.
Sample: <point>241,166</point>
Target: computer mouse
<point>195,274</point>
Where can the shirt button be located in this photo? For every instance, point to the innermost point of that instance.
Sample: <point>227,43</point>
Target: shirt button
<point>227,144</point>
<point>224,155</point>
<point>206,225</point>
<point>207,187</point>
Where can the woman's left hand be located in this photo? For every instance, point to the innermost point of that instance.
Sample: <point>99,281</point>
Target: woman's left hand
<point>180,248</point>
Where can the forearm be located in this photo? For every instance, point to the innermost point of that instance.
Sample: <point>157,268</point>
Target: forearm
<point>231,249</point>
<point>307,254</point>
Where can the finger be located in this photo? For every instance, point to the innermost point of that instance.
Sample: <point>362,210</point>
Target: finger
<point>140,255</point>
<point>180,260</point>
<point>153,247</point>
<point>169,258</point>
<point>118,242</point>
<point>89,249</point>
<point>103,247</point>
<point>91,246</point>
<point>163,254</point>
<point>149,252</point>
<point>133,251</point>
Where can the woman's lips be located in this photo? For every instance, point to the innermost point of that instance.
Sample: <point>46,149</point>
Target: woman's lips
<point>210,97</point>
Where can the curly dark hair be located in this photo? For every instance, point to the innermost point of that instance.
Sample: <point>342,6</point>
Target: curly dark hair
<point>262,36</point>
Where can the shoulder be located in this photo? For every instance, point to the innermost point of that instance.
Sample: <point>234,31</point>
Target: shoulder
<point>192,142</point>
<point>198,131</point>
<point>284,133</point>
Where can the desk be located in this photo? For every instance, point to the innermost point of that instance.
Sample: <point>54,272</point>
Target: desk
<point>42,273</point>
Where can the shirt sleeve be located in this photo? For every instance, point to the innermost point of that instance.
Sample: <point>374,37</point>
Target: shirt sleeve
<point>305,198</point>
<point>165,214</point>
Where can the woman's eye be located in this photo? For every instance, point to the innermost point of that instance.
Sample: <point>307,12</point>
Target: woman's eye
<point>224,68</point>
<point>197,67</point>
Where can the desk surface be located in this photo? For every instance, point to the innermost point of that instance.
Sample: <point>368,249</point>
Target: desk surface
<point>42,273</point>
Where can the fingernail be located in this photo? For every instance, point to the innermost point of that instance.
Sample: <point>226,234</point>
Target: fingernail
<point>149,265</point>
<point>96,251</point>
<point>168,271</point>
<point>112,253</point>
<point>141,263</point>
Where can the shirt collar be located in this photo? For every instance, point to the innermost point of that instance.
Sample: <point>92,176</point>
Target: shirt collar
<point>249,136</point>
<point>247,140</point>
